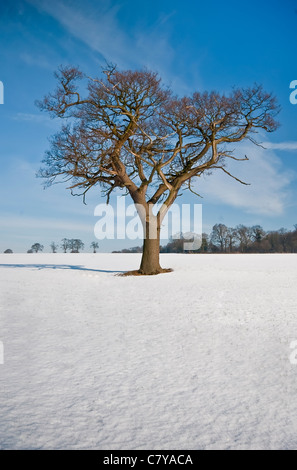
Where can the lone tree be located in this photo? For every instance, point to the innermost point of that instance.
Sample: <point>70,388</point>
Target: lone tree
<point>75,245</point>
<point>54,247</point>
<point>65,245</point>
<point>36,247</point>
<point>94,246</point>
<point>128,131</point>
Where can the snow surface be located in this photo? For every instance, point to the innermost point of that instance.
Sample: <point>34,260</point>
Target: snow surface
<point>193,359</point>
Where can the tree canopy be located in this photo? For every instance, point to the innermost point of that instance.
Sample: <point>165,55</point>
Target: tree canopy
<point>128,131</point>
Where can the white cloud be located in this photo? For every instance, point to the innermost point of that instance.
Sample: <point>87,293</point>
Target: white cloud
<point>98,27</point>
<point>39,60</point>
<point>36,119</point>
<point>281,145</point>
<point>268,193</point>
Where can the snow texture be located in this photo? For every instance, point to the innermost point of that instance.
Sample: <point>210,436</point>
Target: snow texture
<point>193,359</point>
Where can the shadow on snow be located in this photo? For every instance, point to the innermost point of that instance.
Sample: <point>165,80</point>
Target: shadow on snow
<point>58,266</point>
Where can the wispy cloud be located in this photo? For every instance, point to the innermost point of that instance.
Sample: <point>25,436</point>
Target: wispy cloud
<point>100,28</point>
<point>36,119</point>
<point>38,60</point>
<point>100,31</point>
<point>291,145</point>
<point>269,191</point>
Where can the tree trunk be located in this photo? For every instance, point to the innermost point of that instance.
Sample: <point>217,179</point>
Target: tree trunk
<point>150,263</point>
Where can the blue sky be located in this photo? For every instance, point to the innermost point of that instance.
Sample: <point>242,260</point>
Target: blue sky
<point>194,45</point>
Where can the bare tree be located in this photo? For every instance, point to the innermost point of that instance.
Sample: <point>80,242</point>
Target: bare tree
<point>244,235</point>
<point>37,247</point>
<point>257,233</point>
<point>231,239</point>
<point>219,236</point>
<point>94,246</point>
<point>284,239</point>
<point>204,244</point>
<point>54,247</point>
<point>75,245</point>
<point>65,245</point>
<point>130,132</point>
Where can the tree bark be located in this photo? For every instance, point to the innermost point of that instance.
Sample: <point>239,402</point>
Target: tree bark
<point>150,261</point>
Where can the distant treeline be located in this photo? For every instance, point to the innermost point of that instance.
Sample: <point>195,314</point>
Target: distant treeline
<point>222,239</point>
<point>72,245</point>
<point>241,239</point>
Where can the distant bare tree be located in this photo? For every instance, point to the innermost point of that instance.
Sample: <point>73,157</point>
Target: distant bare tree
<point>54,247</point>
<point>219,236</point>
<point>205,243</point>
<point>257,233</point>
<point>94,246</point>
<point>37,247</point>
<point>75,245</point>
<point>284,237</point>
<point>274,239</point>
<point>244,235</point>
<point>65,245</point>
<point>231,238</point>
<point>175,245</point>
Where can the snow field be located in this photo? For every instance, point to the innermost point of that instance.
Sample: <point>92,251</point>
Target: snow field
<point>193,359</point>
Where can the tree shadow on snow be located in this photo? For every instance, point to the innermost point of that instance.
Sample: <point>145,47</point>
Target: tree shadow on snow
<point>59,266</point>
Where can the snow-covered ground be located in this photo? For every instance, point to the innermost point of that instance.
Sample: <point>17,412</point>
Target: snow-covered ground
<point>193,359</point>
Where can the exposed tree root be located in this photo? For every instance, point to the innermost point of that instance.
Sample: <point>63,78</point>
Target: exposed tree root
<point>138,272</point>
